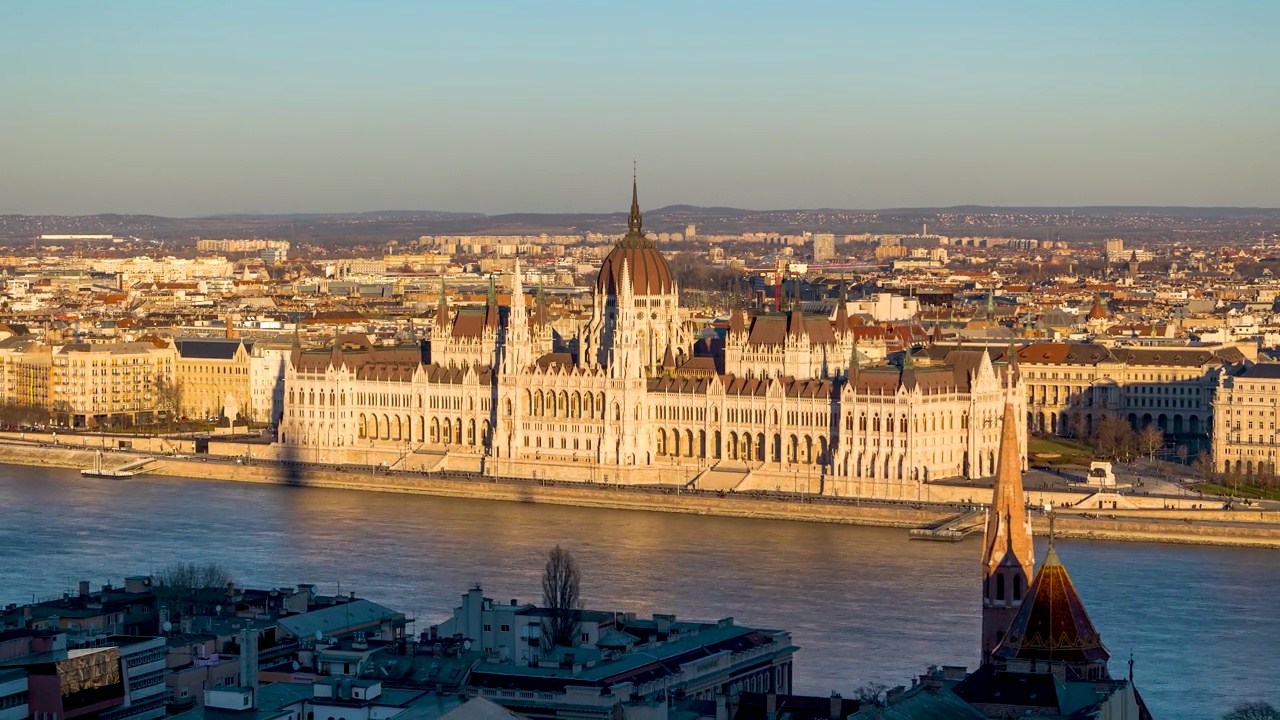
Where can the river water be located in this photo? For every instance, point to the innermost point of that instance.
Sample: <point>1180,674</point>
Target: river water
<point>864,604</point>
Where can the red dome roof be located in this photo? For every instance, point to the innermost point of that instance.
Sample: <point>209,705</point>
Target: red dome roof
<point>650,274</point>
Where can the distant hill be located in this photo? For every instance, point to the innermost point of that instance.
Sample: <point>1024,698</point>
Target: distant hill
<point>1140,223</point>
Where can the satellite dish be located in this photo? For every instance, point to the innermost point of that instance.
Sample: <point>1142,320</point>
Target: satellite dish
<point>218,609</point>
<point>296,666</point>
<point>466,646</point>
<point>319,635</point>
<point>168,626</point>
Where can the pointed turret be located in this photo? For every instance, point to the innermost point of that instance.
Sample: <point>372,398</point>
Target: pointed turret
<point>634,224</point>
<point>491,299</point>
<point>795,321</point>
<point>517,341</point>
<point>1008,556</point>
<point>442,306</point>
<point>540,307</point>
<point>737,323</point>
<point>842,310</point>
<point>1099,309</point>
<point>855,363</point>
<point>336,358</point>
<point>1053,627</point>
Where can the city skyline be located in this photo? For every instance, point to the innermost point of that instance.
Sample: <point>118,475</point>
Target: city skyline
<point>192,111</point>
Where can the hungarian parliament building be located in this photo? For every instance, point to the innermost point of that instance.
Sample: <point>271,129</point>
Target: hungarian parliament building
<point>784,403</point>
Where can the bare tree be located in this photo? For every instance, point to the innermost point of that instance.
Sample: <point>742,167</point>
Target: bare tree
<point>168,397</point>
<point>1203,465</point>
<point>62,411</point>
<point>1252,711</point>
<point>872,694</point>
<point>561,597</point>
<point>1076,424</point>
<point>12,413</point>
<point>189,589</point>
<point>1150,440</point>
<point>1109,434</point>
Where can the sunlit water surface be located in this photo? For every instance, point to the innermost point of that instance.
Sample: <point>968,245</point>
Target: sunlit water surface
<point>864,604</point>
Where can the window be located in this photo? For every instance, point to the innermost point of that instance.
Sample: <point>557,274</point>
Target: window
<point>586,637</point>
<point>506,628</point>
<point>488,628</point>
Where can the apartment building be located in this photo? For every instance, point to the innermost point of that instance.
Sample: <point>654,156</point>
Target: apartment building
<point>213,374</point>
<point>1246,408</point>
<point>616,658</point>
<point>111,384</point>
<point>26,367</point>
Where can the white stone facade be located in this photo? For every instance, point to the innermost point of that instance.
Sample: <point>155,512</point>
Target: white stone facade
<point>778,407</point>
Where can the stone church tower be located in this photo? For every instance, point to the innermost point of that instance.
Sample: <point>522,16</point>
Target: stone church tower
<point>1008,556</point>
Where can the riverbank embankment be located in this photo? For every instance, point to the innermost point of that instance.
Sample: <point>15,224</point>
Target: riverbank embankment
<point>1242,528</point>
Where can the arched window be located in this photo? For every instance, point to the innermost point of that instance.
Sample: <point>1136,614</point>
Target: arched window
<point>999,587</point>
<point>1017,587</point>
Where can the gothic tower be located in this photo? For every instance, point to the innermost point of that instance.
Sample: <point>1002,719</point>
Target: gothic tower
<point>1008,557</point>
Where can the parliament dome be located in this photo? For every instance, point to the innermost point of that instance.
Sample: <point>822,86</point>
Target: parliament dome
<point>650,273</point>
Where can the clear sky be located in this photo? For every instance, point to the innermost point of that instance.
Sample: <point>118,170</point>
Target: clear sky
<point>185,107</point>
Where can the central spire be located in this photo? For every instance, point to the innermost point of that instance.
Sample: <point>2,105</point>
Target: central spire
<point>633,220</point>
<point>1008,557</point>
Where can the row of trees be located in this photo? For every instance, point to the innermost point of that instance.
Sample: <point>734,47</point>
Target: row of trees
<point>12,413</point>
<point>188,589</point>
<point>1113,437</point>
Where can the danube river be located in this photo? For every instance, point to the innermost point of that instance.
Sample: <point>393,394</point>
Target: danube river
<point>864,604</point>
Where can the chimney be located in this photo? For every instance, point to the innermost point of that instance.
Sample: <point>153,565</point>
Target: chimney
<point>249,658</point>
<point>84,588</point>
<point>837,704</point>
<point>771,704</point>
<point>722,707</point>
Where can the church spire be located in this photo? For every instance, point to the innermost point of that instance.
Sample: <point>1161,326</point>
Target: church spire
<point>1008,557</point>
<point>633,220</point>
<point>1053,627</point>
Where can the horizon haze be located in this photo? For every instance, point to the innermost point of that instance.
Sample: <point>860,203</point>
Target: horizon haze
<point>187,110</point>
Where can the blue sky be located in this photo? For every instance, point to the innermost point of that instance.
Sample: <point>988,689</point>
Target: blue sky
<point>190,108</point>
